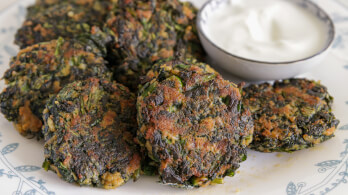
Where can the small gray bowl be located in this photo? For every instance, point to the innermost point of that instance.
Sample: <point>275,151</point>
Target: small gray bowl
<point>255,70</point>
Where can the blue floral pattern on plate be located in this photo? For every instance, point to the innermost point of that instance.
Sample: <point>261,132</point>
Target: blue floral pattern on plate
<point>15,173</point>
<point>337,176</point>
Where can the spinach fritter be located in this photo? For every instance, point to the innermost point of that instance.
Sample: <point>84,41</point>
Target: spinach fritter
<point>147,30</point>
<point>191,124</point>
<point>48,20</point>
<point>41,70</point>
<point>290,115</point>
<point>89,131</point>
<point>48,3</point>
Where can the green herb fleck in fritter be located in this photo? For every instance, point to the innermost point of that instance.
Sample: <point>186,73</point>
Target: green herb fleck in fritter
<point>89,131</point>
<point>290,115</point>
<point>191,123</point>
<point>149,30</point>
<point>41,70</point>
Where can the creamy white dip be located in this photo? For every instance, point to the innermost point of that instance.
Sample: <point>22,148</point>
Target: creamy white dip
<point>266,30</point>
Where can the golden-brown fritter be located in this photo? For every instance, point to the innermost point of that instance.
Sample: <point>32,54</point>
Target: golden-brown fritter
<point>191,123</point>
<point>89,131</point>
<point>290,115</point>
<point>42,70</point>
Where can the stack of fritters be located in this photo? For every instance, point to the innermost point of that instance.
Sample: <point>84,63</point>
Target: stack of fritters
<point>290,115</point>
<point>148,30</point>
<point>191,123</point>
<point>48,20</point>
<point>41,70</point>
<point>89,131</point>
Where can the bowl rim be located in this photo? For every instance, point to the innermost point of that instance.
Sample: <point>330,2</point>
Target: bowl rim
<point>324,49</point>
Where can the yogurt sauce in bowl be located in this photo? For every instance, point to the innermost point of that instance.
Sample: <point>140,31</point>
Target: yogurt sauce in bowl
<point>265,39</point>
<point>266,30</point>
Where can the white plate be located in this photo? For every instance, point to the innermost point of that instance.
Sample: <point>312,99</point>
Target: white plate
<point>320,170</point>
